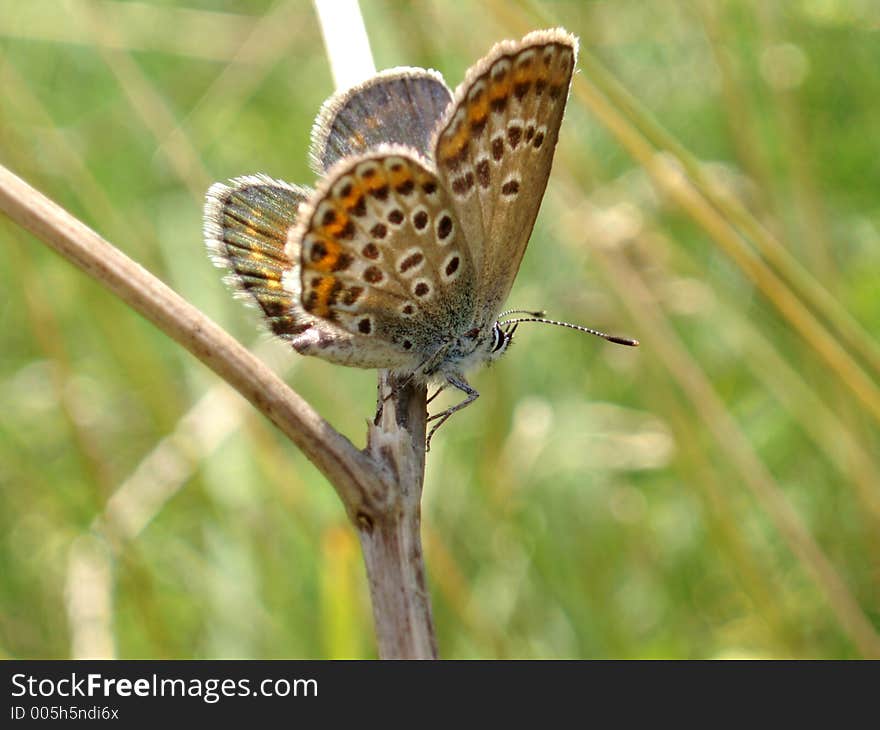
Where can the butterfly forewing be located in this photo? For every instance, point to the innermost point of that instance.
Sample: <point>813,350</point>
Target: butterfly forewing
<point>494,150</point>
<point>383,255</point>
<point>398,106</point>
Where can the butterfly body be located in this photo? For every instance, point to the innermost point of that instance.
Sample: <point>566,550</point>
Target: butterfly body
<point>405,252</point>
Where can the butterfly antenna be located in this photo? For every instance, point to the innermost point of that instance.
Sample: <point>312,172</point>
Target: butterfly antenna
<point>522,311</point>
<point>611,338</point>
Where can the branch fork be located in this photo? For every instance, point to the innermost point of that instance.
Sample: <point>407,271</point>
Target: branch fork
<point>380,487</point>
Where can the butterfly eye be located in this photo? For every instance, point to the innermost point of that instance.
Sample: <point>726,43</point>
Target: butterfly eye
<point>472,334</point>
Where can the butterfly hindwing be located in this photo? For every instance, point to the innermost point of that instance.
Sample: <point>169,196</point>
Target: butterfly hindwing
<point>397,106</point>
<point>494,150</point>
<point>383,255</point>
<point>246,226</point>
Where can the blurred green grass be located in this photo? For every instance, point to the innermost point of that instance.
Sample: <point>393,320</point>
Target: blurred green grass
<point>589,505</point>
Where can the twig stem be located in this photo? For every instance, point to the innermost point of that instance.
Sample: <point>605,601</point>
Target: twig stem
<point>360,482</point>
<point>391,540</point>
<point>380,487</point>
<point>392,544</point>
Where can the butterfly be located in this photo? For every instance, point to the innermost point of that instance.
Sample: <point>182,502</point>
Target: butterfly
<point>403,255</point>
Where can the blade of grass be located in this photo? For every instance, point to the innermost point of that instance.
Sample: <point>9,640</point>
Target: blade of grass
<point>272,36</point>
<point>634,127</point>
<point>352,472</point>
<point>669,179</point>
<point>151,107</point>
<point>662,339</point>
<point>136,23</point>
<point>805,285</point>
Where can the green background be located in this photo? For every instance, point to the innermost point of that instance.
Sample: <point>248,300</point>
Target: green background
<point>714,493</point>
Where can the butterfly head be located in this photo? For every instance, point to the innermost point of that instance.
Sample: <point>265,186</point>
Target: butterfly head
<point>473,348</point>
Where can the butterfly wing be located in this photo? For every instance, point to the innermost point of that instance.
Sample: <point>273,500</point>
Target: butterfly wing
<point>494,150</point>
<point>398,106</point>
<point>383,257</point>
<point>246,225</point>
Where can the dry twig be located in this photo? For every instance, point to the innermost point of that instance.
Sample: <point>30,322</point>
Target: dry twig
<point>379,487</point>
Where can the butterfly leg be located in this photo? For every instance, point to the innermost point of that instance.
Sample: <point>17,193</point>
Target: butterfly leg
<point>380,408</point>
<point>438,392</point>
<point>400,385</point>
<point>442,417</point>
